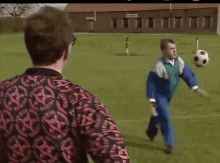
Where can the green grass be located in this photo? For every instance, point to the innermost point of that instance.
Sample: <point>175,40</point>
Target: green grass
<point>119,82</point>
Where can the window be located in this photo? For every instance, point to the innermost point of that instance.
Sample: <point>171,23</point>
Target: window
<point>165,22</point>
<point>207,21</point>
<point>125,22</point>
<point>194,22</point>
<point>150,22</point>
<point>139,23</point>
<point>178,22</point>
<point>114,23</point>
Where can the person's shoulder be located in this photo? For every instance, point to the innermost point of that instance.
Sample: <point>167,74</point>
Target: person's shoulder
<point>4,84</point>
<point>84,92</point>
<point>181,60</point>
<point>87,100</point>
<point>158,65</point>
<point>83,97</point>
<point>8,82</point>
<point>76,92</point>
<point>92,101</point>
<point>62,84</point>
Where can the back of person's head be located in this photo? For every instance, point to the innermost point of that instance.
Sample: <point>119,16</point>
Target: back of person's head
<point>164,43</point>
<point>48,34</point>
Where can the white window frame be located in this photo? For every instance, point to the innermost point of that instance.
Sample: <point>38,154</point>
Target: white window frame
<point>211,23</point>
<point>154,23</point>
<point>181,22</point>
<point>112,23</point>
<point>203,23</point>
<point>197,25</point>
<point>147,22</point>
<point>128,22</point>
<point>168,22</point>
<point>136,22</point>
<point>190,22</point>
<point>122,23</point>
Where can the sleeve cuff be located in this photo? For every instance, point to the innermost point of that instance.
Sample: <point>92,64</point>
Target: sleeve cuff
<point>194,88</point>
<point>152,100</point>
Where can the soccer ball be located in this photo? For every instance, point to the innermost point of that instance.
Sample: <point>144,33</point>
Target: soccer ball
<point>201,58</point>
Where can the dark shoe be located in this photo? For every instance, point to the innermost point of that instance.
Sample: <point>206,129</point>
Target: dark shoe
<point>150,136</point>
<point>153,129</point>
<point>169,150</point>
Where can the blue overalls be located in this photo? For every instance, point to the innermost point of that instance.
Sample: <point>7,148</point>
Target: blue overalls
<point>162,82</point>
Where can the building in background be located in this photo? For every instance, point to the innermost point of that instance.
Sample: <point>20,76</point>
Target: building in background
<point>146,17</point>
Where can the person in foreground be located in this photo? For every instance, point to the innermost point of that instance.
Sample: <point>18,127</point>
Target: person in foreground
<point>46,118</point>
<point>161,83</point>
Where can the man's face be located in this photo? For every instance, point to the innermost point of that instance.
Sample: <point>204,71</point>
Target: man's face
<point>170,51</point>
<point>67,53</point>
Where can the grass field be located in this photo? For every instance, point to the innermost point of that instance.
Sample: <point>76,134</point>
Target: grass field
<point>119,82</point>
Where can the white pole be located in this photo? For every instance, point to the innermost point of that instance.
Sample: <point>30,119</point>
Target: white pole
<point>197,44</point>
<point>170,8</point>
<point>95,15</point>
<point>127,43</point>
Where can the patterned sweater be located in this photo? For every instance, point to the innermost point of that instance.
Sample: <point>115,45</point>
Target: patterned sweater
<point>45,118</point>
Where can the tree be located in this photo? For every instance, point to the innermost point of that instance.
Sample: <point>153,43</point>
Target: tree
<point>59,6</point>
<point>62,7</point>
<point>16,9</point>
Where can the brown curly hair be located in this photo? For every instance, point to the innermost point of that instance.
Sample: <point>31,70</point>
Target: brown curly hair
<point>47,35</point>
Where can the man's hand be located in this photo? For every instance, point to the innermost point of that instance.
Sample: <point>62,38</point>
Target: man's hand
<point>202,92</point>
<point>153,104</point>
<point>153,109</point>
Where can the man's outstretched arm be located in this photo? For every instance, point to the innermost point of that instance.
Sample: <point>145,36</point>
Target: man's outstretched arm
<point>191,80</point>
<point>202,92</point>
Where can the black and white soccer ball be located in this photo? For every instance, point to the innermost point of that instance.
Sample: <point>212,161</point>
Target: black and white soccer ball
<point>201,58</point>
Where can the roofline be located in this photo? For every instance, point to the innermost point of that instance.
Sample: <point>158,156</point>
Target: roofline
<point>140,10</point>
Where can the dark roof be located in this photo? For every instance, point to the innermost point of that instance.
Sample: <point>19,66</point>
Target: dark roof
<point>106,7</point>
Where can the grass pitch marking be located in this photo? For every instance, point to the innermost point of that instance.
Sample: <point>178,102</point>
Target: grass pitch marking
<point>181,117</point>
<point>86,33</point>
<point>8,35</point>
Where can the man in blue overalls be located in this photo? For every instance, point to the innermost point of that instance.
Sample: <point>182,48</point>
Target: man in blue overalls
<point>162,82</point>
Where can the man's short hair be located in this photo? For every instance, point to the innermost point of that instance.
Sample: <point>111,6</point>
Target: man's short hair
<point>164,42</point>
<point>47,35</point>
